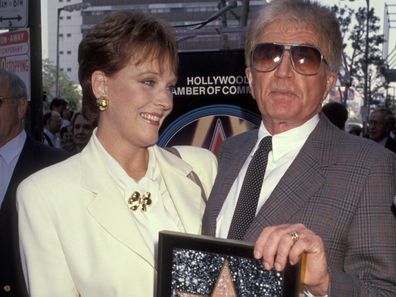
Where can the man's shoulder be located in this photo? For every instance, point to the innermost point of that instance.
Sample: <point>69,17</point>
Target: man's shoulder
<point>42,153</point>
<point>242,137</point>
<point>391,144</point>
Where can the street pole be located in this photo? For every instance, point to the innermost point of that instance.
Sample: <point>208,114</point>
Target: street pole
<point>33,121</point>
<point>57,52</point>
<point>366,57</point>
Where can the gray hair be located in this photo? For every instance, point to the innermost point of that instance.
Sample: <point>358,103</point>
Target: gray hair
<point>387,114</point>
<point>16,86</point>
<point>308,12</point>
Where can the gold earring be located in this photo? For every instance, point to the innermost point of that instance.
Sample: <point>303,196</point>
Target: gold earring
<point>102,102</point>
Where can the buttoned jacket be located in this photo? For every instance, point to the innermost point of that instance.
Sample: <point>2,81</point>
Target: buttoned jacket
<point>78,236</point>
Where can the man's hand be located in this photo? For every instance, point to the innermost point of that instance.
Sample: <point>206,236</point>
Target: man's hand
<point>278,244</point>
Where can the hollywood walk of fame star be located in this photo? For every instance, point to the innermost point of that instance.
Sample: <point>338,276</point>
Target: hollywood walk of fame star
<point>224,286</point>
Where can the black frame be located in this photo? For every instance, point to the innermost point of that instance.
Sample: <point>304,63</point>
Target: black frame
<point>169,242</point>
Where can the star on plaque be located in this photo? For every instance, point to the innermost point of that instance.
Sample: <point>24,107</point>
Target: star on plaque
<point>224,286</point>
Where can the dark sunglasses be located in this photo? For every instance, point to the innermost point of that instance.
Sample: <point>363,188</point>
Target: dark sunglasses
<point>305,59</point>
<point>2,99</point>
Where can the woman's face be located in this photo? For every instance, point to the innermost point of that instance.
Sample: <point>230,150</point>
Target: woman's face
<point>140,98</point>
<point>82,130</point>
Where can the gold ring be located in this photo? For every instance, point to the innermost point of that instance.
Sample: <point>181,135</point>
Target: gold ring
<point>294,236</point>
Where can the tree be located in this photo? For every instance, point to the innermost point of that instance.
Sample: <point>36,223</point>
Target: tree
<point>68,90</point>
<point>353,27</point>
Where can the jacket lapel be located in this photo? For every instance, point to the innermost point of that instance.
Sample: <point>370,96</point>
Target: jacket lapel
<point>232,157</point>
<point>185,194</point>
<point>301,181</point>
<point>107,208</point>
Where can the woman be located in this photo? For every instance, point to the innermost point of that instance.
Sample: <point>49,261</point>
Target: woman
<point>89,225</point>
<point>82,129</point>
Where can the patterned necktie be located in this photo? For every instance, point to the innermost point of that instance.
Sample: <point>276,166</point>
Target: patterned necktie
<point>245,210</point>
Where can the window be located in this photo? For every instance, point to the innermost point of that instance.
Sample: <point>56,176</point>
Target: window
<point>61,18</point>
<point>68,35</point>
<point>60,35</point>
<point>60,52</point>
<point>61,69</point>
<point>69,52</point>
<point>68,69</point>
<point>68,17</point>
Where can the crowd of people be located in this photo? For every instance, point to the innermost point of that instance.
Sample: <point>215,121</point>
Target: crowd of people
<point>65,129</point>
<point>297,187</point>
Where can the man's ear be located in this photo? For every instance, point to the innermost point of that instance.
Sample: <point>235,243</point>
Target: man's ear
<point>249,75</point>
<point>98,82</point>
<point>330,83</point>
<point>22,107</point>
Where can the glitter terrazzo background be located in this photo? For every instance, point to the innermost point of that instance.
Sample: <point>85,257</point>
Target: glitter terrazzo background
<point>196,272</point>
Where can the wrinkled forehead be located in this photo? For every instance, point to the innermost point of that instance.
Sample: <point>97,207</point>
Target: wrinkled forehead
<point>287,30</point>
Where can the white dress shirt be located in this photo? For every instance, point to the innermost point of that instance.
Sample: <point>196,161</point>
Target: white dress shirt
<point>54,138</point>
<point>285,147</point>
<point>161,214</point>
<point>9,155</point>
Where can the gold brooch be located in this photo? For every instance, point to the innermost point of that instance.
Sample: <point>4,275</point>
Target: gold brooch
<point>136,200</point>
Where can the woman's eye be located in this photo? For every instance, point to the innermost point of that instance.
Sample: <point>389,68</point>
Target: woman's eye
<point>171,89</point>
<point>149,82</point>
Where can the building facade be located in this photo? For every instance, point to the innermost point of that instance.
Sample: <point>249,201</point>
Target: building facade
<point>225,32</point>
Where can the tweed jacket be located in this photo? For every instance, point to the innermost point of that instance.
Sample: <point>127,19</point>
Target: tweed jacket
<point>34,156</point>
<point>340,186</point>
<point>78,236</point>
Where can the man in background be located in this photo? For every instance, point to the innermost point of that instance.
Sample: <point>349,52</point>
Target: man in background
<point>381,122</point>
<point>20,156</point>
<point>336,113</point>
<point>52,122</point>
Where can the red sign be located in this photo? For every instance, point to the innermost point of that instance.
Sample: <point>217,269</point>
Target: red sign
<point>15,54</point>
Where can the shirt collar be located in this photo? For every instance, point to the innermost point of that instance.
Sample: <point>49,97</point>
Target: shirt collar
<point>13,148</point>
<point>117,172</point>
<point>290,140</point>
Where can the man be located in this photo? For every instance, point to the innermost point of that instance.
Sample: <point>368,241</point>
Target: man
<point>336,113</point>
<point>20,156</point>
<point>52,124</point>
<point>381,122</point>
<point>325,193</point>
<point>58,104</point>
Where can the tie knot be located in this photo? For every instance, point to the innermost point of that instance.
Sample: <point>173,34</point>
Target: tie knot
<point>266,144</point>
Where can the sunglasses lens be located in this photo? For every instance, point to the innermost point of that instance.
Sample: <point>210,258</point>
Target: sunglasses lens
<point>266,56</point>
<point>306,59</point>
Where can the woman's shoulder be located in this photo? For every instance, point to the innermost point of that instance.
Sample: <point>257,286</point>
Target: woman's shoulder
<point>194,151</point>
<point>53,173</point>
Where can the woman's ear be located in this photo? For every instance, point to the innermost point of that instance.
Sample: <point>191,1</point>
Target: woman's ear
<point>98,81</point>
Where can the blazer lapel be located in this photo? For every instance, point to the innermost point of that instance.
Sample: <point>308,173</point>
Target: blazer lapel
<point>107,207</point>
<point>301,181</point>
<point>185,194</point>
<point>231,160</point>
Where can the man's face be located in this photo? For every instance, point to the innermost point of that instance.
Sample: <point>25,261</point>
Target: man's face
<point>12,111</point>
<point>54,123</point>
<point>285,98</point>
<point>378,127</point>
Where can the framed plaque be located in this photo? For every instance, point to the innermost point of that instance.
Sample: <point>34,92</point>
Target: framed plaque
<point>203,266</point>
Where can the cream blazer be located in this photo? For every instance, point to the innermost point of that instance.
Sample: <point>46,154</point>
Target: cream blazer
<point>77,235</point>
